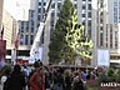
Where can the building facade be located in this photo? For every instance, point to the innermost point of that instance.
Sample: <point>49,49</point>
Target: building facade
<point>10,26</point>
<point>1,12</point>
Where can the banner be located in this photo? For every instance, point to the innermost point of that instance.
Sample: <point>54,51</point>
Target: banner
<point>103,57</point>
<point>2,52</point>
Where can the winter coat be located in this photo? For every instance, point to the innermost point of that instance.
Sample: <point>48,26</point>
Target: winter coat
<point>16,81</point>
<point>37,82</point>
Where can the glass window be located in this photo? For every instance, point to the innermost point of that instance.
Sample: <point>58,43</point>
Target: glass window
<point>43,10</point>
<point>22,29</point>
<point>32,23</point>
<point>101,28</point>
<point>84,7</point>
<point>75,6</point>
<point>89,7</point>
<point>89,14</point>
<point>53,5</point>
<point>31,39</point>
<point>32,29</point>
<point>26,40</point>
<point>21,36</point>
<point>83,15</point>
<point>38,17</point>
<point>27,29</point>
<point>21,42</point>
<point>59,5</point>
<point>39,10</point>
<point>39,3</point>
<point>83,22</point>
<point>53,14</point>
<point>22,22</point>
<point>44,3</point>
<point>89,23</point>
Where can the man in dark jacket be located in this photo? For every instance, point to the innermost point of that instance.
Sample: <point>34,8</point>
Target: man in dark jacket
<point>16,81</point>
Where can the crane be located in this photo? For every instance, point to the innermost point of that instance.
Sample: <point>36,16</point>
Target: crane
<point>43,48</point>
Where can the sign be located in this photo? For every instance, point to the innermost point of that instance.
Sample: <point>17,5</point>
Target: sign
<point>103,57</point>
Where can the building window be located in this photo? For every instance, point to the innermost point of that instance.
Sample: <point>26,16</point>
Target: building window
<point>27,23</point>
<point>39,10</point>
<point>84,7</point>
<point>22,23</point>
<point>89,7</point>
<point>101,39</point>
<point>26,40</point>
<point>101,5</point>
<point>38,17</point>
<point>39,3</point>
<point>32,23</point>
<point>101,13</point>
<point>22,29</point>
<point>59,5</point>
<point>27,29</point>
<point>32,13</point>
<point>31,39</point>
<point>53,14</point>
<point>21,42</point>
<point>83,15</point>
<point>43,10</point>
<point>101,28</point>
<point>83,22</point>
<point>89,14</point>
<point>89,23</point>
<point>75,6</point>
<point>101,20</point>
<point>32,29</point>
<point>44,3</point>
<point>21,36</point>
<point>53,5</point>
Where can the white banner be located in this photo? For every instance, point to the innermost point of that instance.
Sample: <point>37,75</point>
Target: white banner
<point>103,57</point>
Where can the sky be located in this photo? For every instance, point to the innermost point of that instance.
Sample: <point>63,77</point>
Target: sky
<point>17,8</point>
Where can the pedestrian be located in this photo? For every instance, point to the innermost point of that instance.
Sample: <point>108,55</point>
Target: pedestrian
<point>37,80</point>
<point>4,77</point>
<point>77,82</point>
<point>16,81</point>
<point>68,80</point>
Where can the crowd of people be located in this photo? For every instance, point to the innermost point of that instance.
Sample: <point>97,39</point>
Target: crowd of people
<point>40,77</point>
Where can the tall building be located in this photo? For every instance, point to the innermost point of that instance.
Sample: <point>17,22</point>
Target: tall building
<point>106,27</point>
<point>10,26</point>
<point>14,16</point>
<point>114,28</point>
<point>1,12</point>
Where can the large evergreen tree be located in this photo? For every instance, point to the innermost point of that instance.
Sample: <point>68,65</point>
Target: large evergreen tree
<point>58,43</point>
<point>68,39</point>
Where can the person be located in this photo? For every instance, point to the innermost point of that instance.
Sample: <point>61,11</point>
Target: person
<point>77,82</point>
<point>58,80</point>
<point>16,81</point>
<point>4,77</point>
<point>68,80</point>
<point>37,80</point>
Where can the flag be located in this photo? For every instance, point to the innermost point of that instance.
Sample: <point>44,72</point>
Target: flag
<point>2,33</point>
<point>16,42</point>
